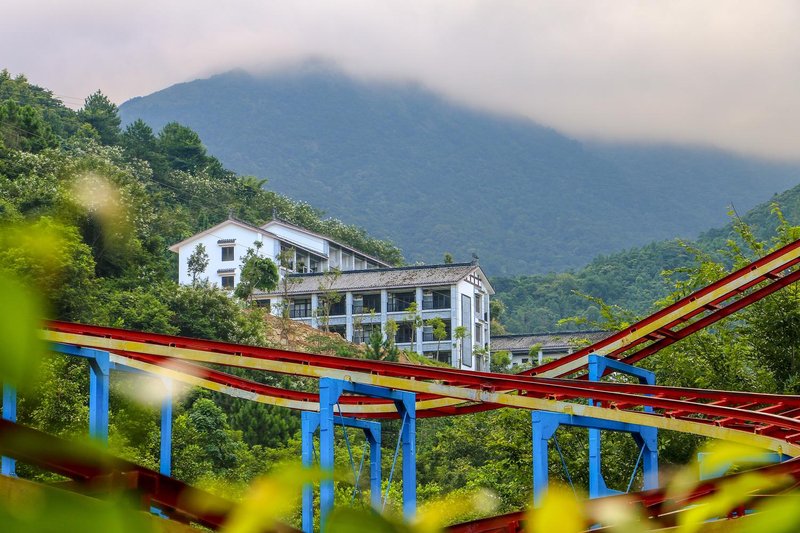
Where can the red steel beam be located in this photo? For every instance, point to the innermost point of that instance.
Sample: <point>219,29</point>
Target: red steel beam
<point>656,504</point>
<point>95,469</point>
<point>709,289</point>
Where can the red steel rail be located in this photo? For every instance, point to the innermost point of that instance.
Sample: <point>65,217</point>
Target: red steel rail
<point>658,504</point>
<point>667,326</point>
<point>761,414</point>
<point>95,471</point>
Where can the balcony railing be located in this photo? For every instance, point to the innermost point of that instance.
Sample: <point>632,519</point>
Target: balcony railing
<point>361,308</point>
<point>336,310</point>
<point>395,307</point>
<point>436,303</point>
<point>299,313</point>
<point>427,336</point>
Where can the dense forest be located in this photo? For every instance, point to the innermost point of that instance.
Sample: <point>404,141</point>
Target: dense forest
<point>87,212</point>
<point>634,280</point>
<point>436,176</point>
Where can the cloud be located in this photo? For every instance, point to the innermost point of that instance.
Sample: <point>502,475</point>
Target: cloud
<point>718,72</point>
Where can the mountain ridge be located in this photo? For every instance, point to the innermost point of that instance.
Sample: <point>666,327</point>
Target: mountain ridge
<point>435,176</point>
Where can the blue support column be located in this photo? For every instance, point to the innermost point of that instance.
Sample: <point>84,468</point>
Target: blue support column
<point>646,437</point>
<point>407,410</point>
<point>309,422</point>
<point>99,370</point>
<point>329,392</point>
<point>98,395</point>
<point>308,425</point>
<point>544,425</point>
<point>9,465</point>
<point>165,459</point>
<point>374,439</point>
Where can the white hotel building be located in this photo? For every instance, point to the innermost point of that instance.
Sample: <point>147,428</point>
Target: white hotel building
<point>372,291</point>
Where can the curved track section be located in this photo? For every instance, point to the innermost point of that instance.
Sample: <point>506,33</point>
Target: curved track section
<point>760,420</point>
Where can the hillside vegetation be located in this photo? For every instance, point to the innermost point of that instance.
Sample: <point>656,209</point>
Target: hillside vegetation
<point>632,280</point>
<point>435,176</point>
<point>86,213</point>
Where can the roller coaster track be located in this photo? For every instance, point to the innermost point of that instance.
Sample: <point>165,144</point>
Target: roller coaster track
<point>673,323</point>
<point>761,420</point>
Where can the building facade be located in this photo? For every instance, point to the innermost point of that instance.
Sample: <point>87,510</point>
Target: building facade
<point>536,348</point>
<point>227,242</point>
<point>370,291</point>
<point>458,294</point>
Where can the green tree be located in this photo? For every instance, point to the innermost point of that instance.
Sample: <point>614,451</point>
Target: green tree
<point>460,333</point>
<point>500,362</point>
<point>286,262</point>
<point>414,318</point>
<point>139,141</point>
<point>198,261</point>
<point>439,332</point>
<point>448,258</point>
<point>101,114</point>
<point>328,295</point>
<point>24,128</point>
<point>184,151</point>
<point>258,273</point>
<point>497,310</point>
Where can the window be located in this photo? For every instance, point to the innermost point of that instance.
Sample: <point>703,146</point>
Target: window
<point>436,299</point>
<point>227,253</point>
<point>300,308</point>
<point>403,334</point>
<point>362,335</point>
<point>400,301</point>
<point>466,344</point>
<point>227,282</point>
<point>263,303</point>
<point>367,303</point>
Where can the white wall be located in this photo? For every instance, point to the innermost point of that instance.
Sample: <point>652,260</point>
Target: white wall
<point>244,239</point>
<point>298,237</point>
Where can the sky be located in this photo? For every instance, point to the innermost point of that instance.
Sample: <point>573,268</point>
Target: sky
<point>723,73</point>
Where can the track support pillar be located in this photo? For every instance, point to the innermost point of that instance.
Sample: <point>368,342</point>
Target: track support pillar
<point>9,465</point>
<point>544,426</point>
<point>165,457</point>
<point>330,390</point>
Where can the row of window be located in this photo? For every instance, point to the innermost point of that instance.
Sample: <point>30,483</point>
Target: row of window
<point>371,303</point>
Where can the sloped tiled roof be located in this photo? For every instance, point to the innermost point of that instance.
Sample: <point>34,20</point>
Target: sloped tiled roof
<point>556,341</point>
<point>280,221</point>
<point>389,278</point>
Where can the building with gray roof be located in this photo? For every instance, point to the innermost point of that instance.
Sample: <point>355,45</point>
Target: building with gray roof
<point>458,294</point>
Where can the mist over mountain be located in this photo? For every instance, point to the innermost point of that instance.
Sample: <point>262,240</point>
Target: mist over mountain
<point>435,176</point>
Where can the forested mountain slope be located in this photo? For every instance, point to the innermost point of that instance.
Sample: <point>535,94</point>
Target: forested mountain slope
<point>435,176</point>
<point>630,279</point>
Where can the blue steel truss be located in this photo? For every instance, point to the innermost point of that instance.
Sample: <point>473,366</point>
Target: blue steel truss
<point>330,390</point>
<point>545,424</point>
<point>100,367</point>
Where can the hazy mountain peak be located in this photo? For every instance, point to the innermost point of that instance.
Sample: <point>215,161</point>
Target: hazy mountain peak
<point>434,176</point>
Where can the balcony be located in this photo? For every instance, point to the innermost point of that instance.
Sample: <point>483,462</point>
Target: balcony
<point>427,336</point>
<point>436,303</point>
<point>397,306</point>
<point>360,309</point>
<point>299,313</point>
